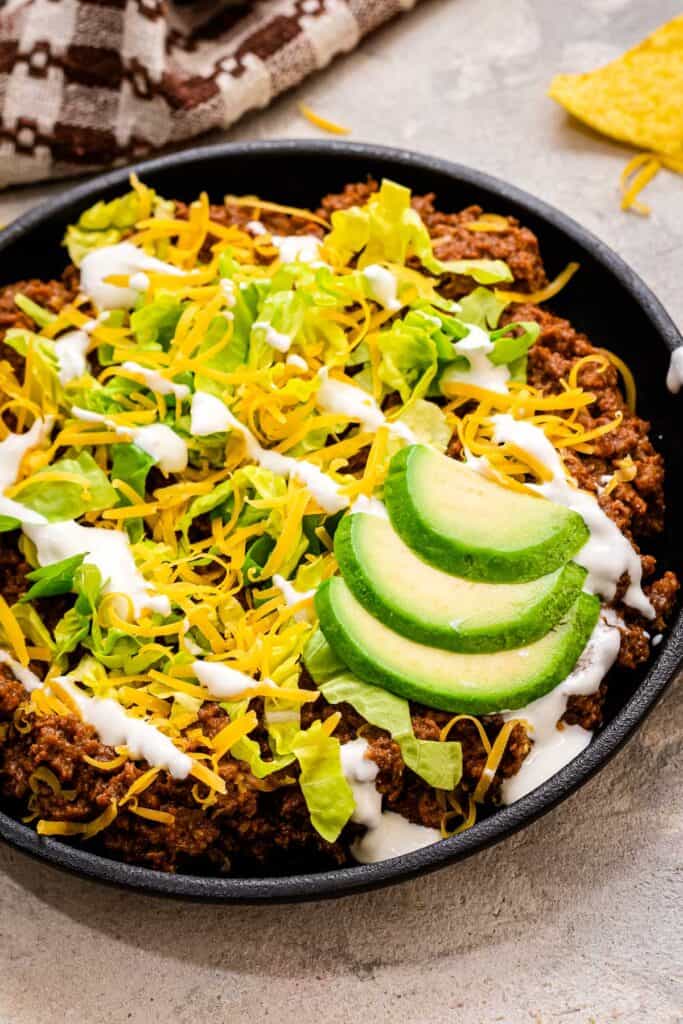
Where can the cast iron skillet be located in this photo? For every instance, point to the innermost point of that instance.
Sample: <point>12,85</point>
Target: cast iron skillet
<point>606,299</point>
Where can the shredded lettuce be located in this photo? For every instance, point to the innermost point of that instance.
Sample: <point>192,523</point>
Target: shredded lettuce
<point>482,308</point>
<point>59,500</point>
<point>8,523</point>
<point>132,465</point>
<point>439,764</point>
<point>511,345</point>
<point>481,271</point>
<point>54,579</point>
<point>44,380</point>
<point>104,399</point>
<point>248,750</point>
<point>106,223</point>
<point>388,229</point>
<point>408,361</point>
<point>253,483</point>
<point>284,312</point>
<point>414,349</point>
<point>75,625</point>
<point>154,323</point>
<point>256,557</point>
<point>327,794</point>
<point>428,423</point>
<point>88,586</point>
<point>32,626</point>
<point>71,630</point>
<point>38,314</point>
<point>236,352</point>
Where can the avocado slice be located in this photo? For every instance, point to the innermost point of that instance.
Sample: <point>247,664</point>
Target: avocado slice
<point>476,684</point>
<point>460,522</point>
<point>435,608</point>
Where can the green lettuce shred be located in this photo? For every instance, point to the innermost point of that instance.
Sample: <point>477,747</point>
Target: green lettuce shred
<point>388,230</point>
<point>44,366</point>
<point>327,794</point>
<point>32,626</point>
<point>482,308</point>
<point>439,764</point>
<point>132,465</point>
<point>54,579</point>
<point>248,750</point>
<point>38,314</point>
<point>62,500</point>
<point>106,223</point>
<point>154,324</point>
<point>428,423</point>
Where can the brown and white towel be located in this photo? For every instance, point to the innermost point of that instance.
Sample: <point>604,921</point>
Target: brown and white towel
<point>85,84</point>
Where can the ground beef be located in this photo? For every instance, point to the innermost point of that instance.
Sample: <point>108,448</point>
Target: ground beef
<point>231,214</point>
<point>453,241</point>
<point>51,294</point>
<point>636,507</point>
<point>263,825</point>
<point>11,694</point>
<point>250,828</point>
<point>13,568</point>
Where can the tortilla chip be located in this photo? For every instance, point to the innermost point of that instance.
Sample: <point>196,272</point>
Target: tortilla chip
<point>637,98</point>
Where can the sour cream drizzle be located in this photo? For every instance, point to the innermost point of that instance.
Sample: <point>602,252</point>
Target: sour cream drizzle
<point>322,487</point>
<point>299,249</point>
<point>382,286</point>
<point>155,381</point>
<point>276,339</point>
<point>116,728</point>
<point>336,396</point>
<point>370,506</point>
<point>360,772</point>
<point>388,834</point>
<point>166,447</point>
<point>293,596</point>
<point>393,837</point>
<point>109,550</point>
<point>28,679</point>
<point>208,415</point>
<point>554,747</point>
<point>70,349</point>
<point>607,554</point>
<point>12,451</point>
<point>475,347</point>
<point>121,259</point>
<point>674,378</point>
<point>224,682</point>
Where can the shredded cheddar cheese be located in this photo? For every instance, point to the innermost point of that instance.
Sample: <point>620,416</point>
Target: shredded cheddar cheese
<point>549,292</point>
<point>13,631</point>
<point>322,122</point>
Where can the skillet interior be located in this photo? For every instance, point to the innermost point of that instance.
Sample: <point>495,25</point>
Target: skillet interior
<point>606,299</point>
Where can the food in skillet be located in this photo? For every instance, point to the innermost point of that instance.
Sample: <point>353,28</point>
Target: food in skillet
<point>318,532</point>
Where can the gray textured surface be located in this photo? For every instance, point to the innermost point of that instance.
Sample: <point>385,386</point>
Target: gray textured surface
<point>578,918</point>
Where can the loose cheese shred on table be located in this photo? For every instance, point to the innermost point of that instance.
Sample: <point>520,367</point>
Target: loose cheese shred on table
<point>322,122</point>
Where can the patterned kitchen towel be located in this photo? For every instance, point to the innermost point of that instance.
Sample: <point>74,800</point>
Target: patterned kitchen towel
<point>85,84</point>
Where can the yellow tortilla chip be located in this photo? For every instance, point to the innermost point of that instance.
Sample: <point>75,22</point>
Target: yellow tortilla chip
<point>638,98</point>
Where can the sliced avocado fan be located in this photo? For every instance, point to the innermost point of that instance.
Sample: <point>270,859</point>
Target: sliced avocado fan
<point>462,523</point>
<point>433,607</point>
<point>469,683</point>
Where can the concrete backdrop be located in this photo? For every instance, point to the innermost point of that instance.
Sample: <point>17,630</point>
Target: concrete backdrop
<point>577,919</point>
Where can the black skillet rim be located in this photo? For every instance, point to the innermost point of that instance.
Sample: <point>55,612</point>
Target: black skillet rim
<point>504,822</point>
